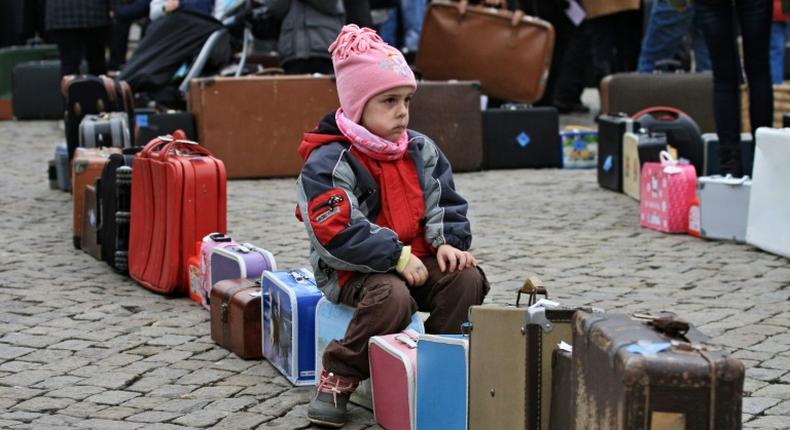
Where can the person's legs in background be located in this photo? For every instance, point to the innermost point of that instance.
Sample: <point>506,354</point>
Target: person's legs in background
<point>778,51</point>
<point>412,13</point>
<point>754,18</point>
<point>664,34</point>
<point>701,54</point>
<point>70,50</point>
<point>95,42</point>
<point>119,41</point>
<point>570,82</point>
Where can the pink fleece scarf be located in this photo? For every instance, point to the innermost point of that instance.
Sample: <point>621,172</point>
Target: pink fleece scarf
<point>374,146</point>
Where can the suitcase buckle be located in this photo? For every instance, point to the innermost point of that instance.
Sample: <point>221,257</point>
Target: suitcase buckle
<point>224,312</point>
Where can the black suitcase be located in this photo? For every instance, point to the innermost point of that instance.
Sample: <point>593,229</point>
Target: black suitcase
<point>113,189</point>
<point>611,128</point>
<point>36,90</point>
<point>682,132</point>
<point>518,136</point>
<point>153,124</point>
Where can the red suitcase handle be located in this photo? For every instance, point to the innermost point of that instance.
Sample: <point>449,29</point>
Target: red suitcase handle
<point>168,143</point>
<point>661,113</point>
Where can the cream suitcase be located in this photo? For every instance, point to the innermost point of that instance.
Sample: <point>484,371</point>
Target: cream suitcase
<point>639,148</point>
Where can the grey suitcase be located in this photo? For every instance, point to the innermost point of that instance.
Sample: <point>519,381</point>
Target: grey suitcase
<point>711,164</point>
<point>62,166</point>
<point>105,130</point>
<point>724,206</point>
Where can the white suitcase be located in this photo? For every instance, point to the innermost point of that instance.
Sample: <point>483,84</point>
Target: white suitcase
<point>768,226</point>
<point>724,207</point>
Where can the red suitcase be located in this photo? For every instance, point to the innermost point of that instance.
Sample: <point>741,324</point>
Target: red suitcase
<point>178,196</point>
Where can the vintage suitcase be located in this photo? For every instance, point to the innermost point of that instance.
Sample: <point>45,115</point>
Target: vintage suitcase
<point>682,132</point>
<point>611,128</point>
<point>769,201</point>
<point>239,261</point>
<point>36,90</point>
<point>711,143</point>
<point>62,166</point>
<point>628,375</point>
<point>91,219</point>
<point>152,124</point>
<point>288,328</point>
<point>667,191</point>
<point>114,197</point>
<point>331,322</point>
<point>510,352</point>
<point>442,392</point>
<point>690,92</point>
<point>517,136</point>
<point>255,124</point>
<point>207,244</point>
<point>9,58</point>
<point>393,368</point>
<point>639,148</point>
<point>449,113</point>
<point>178,196</point>
<point>563,398</point>
<point>105,129</point>
<point>236,317</point>
<point>579,147</point>
<point>87,166</point>
<point>724,207</point>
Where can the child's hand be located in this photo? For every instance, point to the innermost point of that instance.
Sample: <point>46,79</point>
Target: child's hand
<point>415,272</point>
<point>451,258</point>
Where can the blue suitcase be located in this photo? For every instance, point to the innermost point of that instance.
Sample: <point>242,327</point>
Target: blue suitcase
<point>331,322</point>
<point>442,382</point>
<point>62,166</point>
<point>288,306</point>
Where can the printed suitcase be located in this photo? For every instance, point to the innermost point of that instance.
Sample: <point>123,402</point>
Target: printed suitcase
<point>103,130</point>
<point>639,148</point>
<point>154,124</point>
<point>724,207</point>
<point>393,369</point>
<point>442,393</point>
<point>178,196</point>
<point>711,143</point>
<point>769,202</point>
<point>517,136</point>
<point>62,166</point>
<point>207,244</point>
<point>87,166</point>
<point>288,306</point>
<point>628,375</point>
<point>611,128</point>
<point>331,323</point>
<point>114,201</point>
<point>239,261</point>
<point>579,147</point>
<point>668,189</point>
<point>91,219</point>
<point>236,317</point>
<point>510,361</point>
<point>36,90</point>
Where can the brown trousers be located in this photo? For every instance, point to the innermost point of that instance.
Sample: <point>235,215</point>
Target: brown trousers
<point>384,305</point>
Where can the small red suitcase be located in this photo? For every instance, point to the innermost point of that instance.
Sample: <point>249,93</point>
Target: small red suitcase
<point>178,196</point>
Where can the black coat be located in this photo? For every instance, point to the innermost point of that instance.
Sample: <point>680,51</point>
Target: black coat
<point>70,14</point>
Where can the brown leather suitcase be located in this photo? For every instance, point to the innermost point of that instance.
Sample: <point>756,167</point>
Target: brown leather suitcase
<point>255,124</point>
<point>87,166</point>
<point>562,397</point>
<point>628,375</point>
<point>90,223</point>
<point>510,356</point>
<point>632,92</point>
<point>449,113</point>
<point>236,317</point>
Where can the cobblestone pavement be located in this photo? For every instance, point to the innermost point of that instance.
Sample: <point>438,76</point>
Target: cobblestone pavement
<point>83,347</point>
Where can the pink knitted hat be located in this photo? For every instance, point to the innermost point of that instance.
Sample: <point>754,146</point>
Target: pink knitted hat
<point>365,66</point>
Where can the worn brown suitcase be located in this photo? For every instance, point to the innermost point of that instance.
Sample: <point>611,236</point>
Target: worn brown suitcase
<point>236,317</point>
<point>632,92</point>
<point>510,350</point>
<point>87,166</point>
<point>449,113</point>
<point>90,223</point>
<point>255,124</point>
<point>562,396</point>
<point>628,375</point>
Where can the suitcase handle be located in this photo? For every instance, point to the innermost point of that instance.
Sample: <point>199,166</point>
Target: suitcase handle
<point>188,146</point>
<point>661,113</point>
<point>532,286</point>
<point>156,142</point>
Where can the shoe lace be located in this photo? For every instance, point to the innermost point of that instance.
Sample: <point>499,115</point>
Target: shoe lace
<point>337,385</point>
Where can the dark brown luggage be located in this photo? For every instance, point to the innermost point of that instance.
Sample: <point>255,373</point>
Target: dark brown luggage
<point>628,375</point>
<point>236,317</point>
<point>562,396</point>
<point>449,113</point>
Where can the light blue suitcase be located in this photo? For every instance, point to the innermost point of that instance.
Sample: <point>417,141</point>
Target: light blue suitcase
<point>331,322</point>
<point>288,300</point>
<point>62,166</point>
<point>442,382</point>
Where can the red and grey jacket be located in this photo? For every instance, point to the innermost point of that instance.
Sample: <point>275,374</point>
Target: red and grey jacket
<point>340,203</point>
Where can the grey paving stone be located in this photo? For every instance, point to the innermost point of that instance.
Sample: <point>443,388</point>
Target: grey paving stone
<point>115,413</point>
<point>163,426</point>
<point>82,409</point>
<point>20,393</point>
<point>76,392</point>
<point>170,340</point>
<point>55,420</point>
<point>17,366</point>
<point>242,420</point>
<point>153,417</point>
<point>26,378</point>
<point>202,418</point>
<point>57,382</point>
<point>219,392</point>
<point>43,404</point>
<point>22,416</point>
<point>756,405</point>
<point>110,380</point>
<point>768,422</point>
<point>112,397</point>
<point>232,404</point>
<point>183,406</point>
<point>170,356</point>
<point>175,391</point>
<point>776,391</point>
<point>203,376</point>
<point>100,424</point>
<point>9,351</point>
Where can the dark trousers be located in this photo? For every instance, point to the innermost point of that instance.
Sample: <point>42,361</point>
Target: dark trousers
<point>718,20</point>
<point>309,66</point>
<point>78,43</point>
<point>571,80</point>
<point>119,42</point>
<point>615,41</point>
<point>384,305</point>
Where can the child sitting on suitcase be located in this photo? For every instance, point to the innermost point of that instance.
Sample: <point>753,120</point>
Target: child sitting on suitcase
<point>388,232</point>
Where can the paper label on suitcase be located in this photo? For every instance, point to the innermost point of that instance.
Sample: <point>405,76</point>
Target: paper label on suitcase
<point>393,369</point>
<point>442,382</point>
<point>668,188</point>
<point>288,301</point>
<point>579,149</point>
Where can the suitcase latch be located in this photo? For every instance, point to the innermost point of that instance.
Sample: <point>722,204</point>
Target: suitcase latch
<point>224,312</point>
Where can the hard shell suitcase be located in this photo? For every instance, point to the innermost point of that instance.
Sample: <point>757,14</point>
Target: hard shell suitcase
<point>563,409</point>
<point>449,113</point>
<point>724,207</point>
<point>331,323</point>
<point>153,124</point>
<point>207,244</point>
<point>106,129</point>
<point>87,166</point>
<point>639,148</point>
<point>236,317</point>
<point>510,362</point>
<point>769,202</point>
<point>628,375</point>
<point>239,261</point>
<point>682,132</point>
<point>711,143</point>
<point>114,198</point>
<point>517,136</point>
<point>52,175</point>
<point>90,222</point>
<point>667,191</point>
<point>62,167</point>
<point>393,369</point>
<point>178,196</point>
<point>442,392</point>
<point>611,128</point>
<point>288,329</point>
<point>36,90</point>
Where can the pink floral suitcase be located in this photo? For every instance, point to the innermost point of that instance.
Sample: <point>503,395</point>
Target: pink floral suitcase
<point>667,190</point>
<point>393,368</point>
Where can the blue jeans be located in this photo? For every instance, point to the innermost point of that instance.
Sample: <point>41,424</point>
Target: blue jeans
<point>412,13</point>
<point>778,52</point>
<point>717,19</point>
<point>664,35</point>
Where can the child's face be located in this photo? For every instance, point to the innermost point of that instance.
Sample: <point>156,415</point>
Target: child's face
<point>387,114</point>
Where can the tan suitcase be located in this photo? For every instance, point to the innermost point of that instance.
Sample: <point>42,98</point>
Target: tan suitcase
<point>87,166</point>
<point>638,149</point>
<point>510,356</point>
<point>255,124</point>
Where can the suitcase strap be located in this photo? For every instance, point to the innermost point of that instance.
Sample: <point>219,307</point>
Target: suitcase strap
<point>225,310</point>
